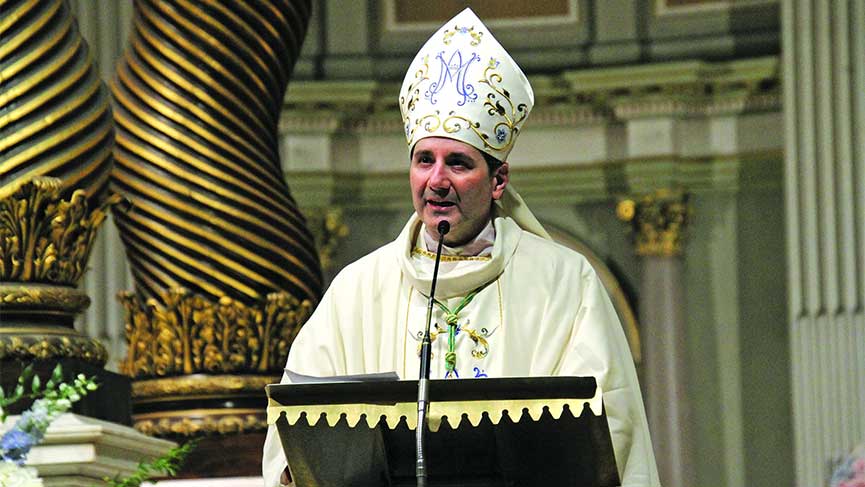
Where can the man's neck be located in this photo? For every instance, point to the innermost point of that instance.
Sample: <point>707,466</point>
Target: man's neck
<point>481,244</point>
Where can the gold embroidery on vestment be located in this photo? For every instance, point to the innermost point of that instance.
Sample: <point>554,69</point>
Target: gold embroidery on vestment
<point>450,258</point>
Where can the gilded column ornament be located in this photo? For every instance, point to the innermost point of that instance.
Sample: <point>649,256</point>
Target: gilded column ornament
<point>658,221</point>
<point>184,333</point>
<point>329,229</point>
<point>224,265</point>
<point>56,138</point>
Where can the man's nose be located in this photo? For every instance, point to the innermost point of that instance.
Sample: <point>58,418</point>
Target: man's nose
<point>438,180</point>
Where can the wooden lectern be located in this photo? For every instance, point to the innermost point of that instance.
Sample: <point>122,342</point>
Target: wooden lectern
<point>545,431</point>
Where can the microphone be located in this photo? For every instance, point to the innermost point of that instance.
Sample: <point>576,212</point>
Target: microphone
<point>443,228</point>
<point>423,377</point>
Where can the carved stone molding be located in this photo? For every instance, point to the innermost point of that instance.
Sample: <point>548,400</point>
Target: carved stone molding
<point>45,243</point>
<point>658,221</point>
<point>569,98</point>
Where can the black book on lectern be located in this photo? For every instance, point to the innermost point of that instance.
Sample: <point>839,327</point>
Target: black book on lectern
<point>545,431</point>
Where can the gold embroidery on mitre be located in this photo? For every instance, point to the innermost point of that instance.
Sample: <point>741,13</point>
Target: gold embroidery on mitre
<point>476,36</point>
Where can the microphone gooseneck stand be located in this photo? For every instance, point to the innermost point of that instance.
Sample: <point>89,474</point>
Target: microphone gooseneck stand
<point>423,377</point>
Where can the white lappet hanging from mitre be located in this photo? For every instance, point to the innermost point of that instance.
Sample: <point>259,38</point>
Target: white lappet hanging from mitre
<point>463,85</point>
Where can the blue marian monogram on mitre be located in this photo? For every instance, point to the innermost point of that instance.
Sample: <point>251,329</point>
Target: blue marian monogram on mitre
<point>452,72</point>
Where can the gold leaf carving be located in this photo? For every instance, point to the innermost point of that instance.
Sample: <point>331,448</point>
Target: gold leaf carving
<point>36,297</point>
<point>44,238</point>
<point>329,230</point>
<point>201,426</point>
<point>184,333</point>
<point>658,221</point>
<point>26,347</point>
<point>201,385</point>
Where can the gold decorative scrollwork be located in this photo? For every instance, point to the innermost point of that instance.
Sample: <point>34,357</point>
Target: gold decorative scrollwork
<point>476,36</point>
<point>186,333</point>
<point>329,230</point>
<point>658,221</point>
<point>44,238</point>
<point>506,130</point>
<point>421,75</point>
<point>212,424</point>
<point>27,347</point>
<point>40,297</point>
<point>201,385</point>
<point>498,104</point>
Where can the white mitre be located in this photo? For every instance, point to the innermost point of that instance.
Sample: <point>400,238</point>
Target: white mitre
<point>463,85</point>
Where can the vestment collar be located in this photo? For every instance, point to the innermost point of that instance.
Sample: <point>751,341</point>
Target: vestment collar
<point>459,282</point>
<point>482,244</point>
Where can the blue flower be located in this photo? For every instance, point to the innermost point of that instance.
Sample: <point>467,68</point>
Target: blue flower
<point>501,134</point>
<point>15,445</point>
<point>38,417</point>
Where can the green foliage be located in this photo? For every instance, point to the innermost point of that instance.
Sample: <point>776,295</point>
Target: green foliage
<point>55,397</point>
<point>166,465</point>
<point>59,394</point>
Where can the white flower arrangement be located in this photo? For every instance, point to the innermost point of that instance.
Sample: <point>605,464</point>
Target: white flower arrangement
<point>51,400</point>
<point>14,475</point>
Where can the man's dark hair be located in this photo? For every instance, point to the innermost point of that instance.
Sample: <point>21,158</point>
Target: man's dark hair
<point>492,162</point>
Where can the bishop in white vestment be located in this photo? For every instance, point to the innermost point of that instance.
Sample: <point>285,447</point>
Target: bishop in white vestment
<point>515,303</point>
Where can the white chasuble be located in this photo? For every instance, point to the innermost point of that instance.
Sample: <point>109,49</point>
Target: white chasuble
<point>538,309</point>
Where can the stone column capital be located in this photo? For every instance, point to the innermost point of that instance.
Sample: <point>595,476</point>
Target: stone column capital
<point>657,220</point>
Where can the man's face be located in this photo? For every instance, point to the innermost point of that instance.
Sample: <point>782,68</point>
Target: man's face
<point>450,181</point>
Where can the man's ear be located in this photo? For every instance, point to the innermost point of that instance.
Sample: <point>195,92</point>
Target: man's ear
<point>501,177</point>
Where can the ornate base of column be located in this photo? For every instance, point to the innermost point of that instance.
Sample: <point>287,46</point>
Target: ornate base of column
<point>36,323</point>
<point>199,369</point>
<point>226,413</point>
<point>36,328</point>
<point>200,405</point>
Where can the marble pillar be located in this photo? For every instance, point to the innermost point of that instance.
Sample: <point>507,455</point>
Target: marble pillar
<point>824,107</point>
<point>658,221</point>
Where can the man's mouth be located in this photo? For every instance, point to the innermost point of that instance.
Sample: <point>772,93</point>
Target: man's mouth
<point>440,205</point>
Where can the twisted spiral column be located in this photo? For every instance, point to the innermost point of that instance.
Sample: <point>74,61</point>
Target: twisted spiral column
<point>56,138</point>
<point>55,119</point>
<point>225,268</point>
<point>198,96</point>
